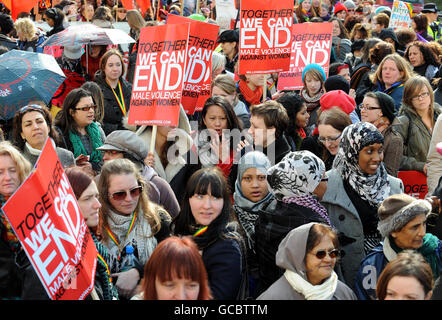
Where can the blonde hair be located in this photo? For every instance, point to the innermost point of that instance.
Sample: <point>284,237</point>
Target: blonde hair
<point>150,210</point>
<point>26,27</point>
<point>227,84</point>
<point>402,65</point>
<point>23,166</point>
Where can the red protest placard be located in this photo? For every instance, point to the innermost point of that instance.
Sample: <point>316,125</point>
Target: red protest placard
<point>198,75</point>
<point>47,220</point>
<point>415,183</point>
<point>159,75</point>
<point>312,43</point>
<point>265,36</point>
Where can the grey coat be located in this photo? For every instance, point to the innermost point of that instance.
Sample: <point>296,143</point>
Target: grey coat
<point>291,256</point>
<point>346,220</point>
<point>66,157</point>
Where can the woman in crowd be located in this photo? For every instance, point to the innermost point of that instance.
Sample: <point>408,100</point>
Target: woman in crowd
<point>357,185</point>
<point>251,193</point>
<point>419,23</point>
<point>116,90</point>
<point>417,119</point>
<point>32,125</point>
<point>331,124</point>
<point>103,17</point>
<point>378,109</point>
<point>206,213</point>
<point>172,155</point>
<point>379,22</point>
<point>407,277</point>
<point>298,183</point>
<point>128,218</point>
<point>423,59</point>
<point>340,68</point>
<point>18,280</point>
<point>86,192</point>
<point>390,77</point>
<point>29,37</point>
<point>217,127</point>
<point>97,95</point>
<point>127,144</point>
<point>224,86</point>
<point>308,254</point>
<point>250,89</point>
<point>136,23</point>
<point>360,72</point>
<point>90,61</point>
<point>55,18</point>
<point>86,12</point>
<point>313,78</point>
<point>402,224</point>
<point>81,133</point>
<point>298,118</point>
<point>175,271</point>
<point>304,11</point>
<point>341,43</point>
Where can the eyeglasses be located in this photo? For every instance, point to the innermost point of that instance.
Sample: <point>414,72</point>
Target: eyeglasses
<point>121,195</point>
<point>87,108</point>
<point>30,107</point>
<point>325,140</point>
<point>324,179</point>
<point>335,253</point>
<point>362,107</point>
<point>421,96</point>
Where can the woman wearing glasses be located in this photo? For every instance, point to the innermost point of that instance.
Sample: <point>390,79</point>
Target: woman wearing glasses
<point>308,254</point>
<point>128,218</point>
<point>298,183</point>
<point>417,119</point>
<point>81,133</point>
<point>32,125</point>
<point>116,90</point>
<point>357,185</point>
<point>378,109</point>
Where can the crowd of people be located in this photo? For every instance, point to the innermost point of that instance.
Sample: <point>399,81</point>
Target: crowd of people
<point>305,205</point>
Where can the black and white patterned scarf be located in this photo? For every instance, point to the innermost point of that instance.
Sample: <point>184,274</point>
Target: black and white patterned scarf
<point>372,188</point>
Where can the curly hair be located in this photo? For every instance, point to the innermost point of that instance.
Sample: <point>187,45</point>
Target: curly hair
<point>26,27</point>
<point>428,54</point>
<point>379,51</point>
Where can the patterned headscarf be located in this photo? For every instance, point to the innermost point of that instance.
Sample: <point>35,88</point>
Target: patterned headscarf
<point>372,188</point>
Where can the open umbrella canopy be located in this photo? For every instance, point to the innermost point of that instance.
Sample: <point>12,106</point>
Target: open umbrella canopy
<point>87,33</point>
<point>25,77</point>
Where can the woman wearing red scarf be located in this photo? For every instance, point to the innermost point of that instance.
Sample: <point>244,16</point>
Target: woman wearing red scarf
<point>250,89</point>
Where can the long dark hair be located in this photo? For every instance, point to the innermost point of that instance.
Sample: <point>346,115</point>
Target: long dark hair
<point>223,103</point>
<point>199,183</point>
<point>293,103</point>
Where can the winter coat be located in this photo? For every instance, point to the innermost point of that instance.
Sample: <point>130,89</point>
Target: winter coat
<point>34,45</point>
<point>280,147</point>
<point>7,42</point>
<point>276,219</point>
<point>393,149</point>
<point>434,159</point>
<point>113,115</point>
<point>66,157</point>
<point>416,137</point>
<point>346,220</point>
<point>396,91</point>
<point>341,48</point>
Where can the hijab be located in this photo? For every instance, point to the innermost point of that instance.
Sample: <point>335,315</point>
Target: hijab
<point>371,188</point>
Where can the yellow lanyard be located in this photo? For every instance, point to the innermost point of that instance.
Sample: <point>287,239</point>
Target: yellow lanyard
<point>120,102</point>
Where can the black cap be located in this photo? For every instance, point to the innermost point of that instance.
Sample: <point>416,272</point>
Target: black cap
<point>228,36</point>
<point>357,45</point>
<point>429,8</point>
<point>387,105</point>
<point>337,82</point>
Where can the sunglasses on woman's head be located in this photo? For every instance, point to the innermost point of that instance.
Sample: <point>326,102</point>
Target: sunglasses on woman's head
<point>30,107</point>
<point>335,253</point>
<point>121,195</point>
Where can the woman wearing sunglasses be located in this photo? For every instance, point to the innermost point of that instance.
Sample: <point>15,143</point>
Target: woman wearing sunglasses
<point>417,119</point>
<point>298,183</point>
<point>206,214</point>
<point>86,192</point>
<point>357,185</point>
<point>128,218</point>
<point>81,133</point>
<point>308,254</point>
<point>32,125</point>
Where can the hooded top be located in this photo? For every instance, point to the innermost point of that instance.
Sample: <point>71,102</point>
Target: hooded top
<point>291,257</point>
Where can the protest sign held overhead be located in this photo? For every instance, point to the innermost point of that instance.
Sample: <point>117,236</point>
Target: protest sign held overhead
<point>159,75</point>
<point>312,43</point>
<point>198,75</point>
<point>400,15</point>
<point>265,36</point>
<point>46,218</point>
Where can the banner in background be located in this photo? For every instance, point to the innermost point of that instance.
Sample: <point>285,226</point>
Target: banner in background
<point>415,183</point>
<point>46,218</point>
<point>265,36</point>
<point>312,43</point>
<point>159,75</point>
<point>401,13</point>
<point>198,75</point>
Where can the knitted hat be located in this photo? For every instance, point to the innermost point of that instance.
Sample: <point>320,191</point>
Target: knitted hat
<point>349,4</point>
<point>313,66</point>
<point>253,159</point>
<point>337,82</point>
<point>399,209</point>
<point>337,98</point>
<point>339,7</point>
<point>386,103</point>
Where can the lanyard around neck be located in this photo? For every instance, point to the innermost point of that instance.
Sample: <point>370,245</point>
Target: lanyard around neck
<point>131,226</point>
<point>120,100</point>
